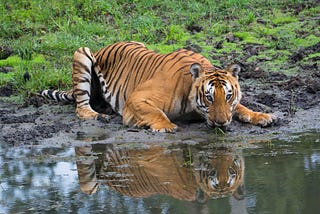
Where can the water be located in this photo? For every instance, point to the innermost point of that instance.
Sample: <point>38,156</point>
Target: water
<point>281,176</point>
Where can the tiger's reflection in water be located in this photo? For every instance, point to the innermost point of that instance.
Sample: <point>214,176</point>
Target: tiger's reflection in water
<point>180,171</point>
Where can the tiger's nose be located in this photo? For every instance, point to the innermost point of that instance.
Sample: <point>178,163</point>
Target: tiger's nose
<point>221,123</point>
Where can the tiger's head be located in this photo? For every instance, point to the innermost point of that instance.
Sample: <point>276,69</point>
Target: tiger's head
<point>221,175</point>
<point>215,93</point>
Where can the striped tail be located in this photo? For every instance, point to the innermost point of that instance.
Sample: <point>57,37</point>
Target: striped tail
<point>60,96</point>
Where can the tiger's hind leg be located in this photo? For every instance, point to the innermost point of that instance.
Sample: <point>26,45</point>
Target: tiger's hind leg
<point>244,114</point>
<point>144,112</point>
<point>83,66</point>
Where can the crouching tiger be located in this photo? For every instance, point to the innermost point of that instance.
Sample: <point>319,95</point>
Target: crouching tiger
<point>148,88</point>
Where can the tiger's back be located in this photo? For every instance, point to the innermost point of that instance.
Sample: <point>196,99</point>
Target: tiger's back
<point>125,66</point>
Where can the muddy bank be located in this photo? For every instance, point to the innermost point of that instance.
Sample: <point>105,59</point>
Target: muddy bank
<point>57,125</point>
<point>38,122</point>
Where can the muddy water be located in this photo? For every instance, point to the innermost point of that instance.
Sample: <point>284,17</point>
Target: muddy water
<point>280,176</point>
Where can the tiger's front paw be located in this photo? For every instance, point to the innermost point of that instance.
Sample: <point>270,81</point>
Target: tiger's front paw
<point>263,119</point>
<point>164,127</point>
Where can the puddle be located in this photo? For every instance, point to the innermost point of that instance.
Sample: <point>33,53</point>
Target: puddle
<point>281,176</point>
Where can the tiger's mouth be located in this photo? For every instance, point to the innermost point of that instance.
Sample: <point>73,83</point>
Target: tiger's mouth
<point>214,125</point>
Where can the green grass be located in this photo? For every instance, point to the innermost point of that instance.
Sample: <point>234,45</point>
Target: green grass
<point>45,34</point>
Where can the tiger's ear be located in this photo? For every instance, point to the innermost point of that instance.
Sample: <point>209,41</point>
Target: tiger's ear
<point>240,192</point>
<point>234,69</point>
<point>195,70</point>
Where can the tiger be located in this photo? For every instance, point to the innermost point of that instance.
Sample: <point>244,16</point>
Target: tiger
<point>150,89</point>
<point>141,173</point>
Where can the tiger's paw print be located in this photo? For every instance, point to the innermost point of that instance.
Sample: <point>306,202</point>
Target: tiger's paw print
<point>264,120</point>
<point>164,127</point>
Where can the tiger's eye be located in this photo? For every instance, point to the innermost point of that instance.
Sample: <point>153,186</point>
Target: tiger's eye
<point>232,172</point>
<point>209,98</point>
<point>228,97</point>
<point>213,173</point>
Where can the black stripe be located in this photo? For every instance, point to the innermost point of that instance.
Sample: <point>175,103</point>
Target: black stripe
<point>81,80</point>
<point>111,64</point>
<point>81,101</point>
<point>120,77</point>
<point>129,68</point>
<point>80,92</point>
<point>173,92</point>
<point>147,69</point>
<point>211,82</point>
<point>57,96</point>
<point>127,58</point>
<point>181,69</point>
<point>154,66</point>
<point>86,54</point>
<point>108,99</point>
<point>183,104</point>
<point>67,98</point>
<point>80,65</point>
<point>197,88</point>
<point>174,56</point>
<point>100,54</point>
<point>139,61</point>
<point>106,64</point>
<point>177,61</point>
<point>223,82</point>
<point>138,67</point>
<point>50,94</point>
<point>117,100</point>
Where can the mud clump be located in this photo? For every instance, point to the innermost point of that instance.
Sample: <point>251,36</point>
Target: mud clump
<point>193,47</point>
<point>9,119</point>
<point>35,101</point>
<point>313,86</point>
<point>194,28</point>
<point>7,91</point>
<point>252,50</point>
<point>302,52</point>
<point>34,134</point>
<point>252,71</point>
<point>266,99</point>
<point>6,69</point>
<point>293,83</point>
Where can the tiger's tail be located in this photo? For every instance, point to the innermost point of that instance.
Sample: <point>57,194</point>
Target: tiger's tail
<point>59,96</point>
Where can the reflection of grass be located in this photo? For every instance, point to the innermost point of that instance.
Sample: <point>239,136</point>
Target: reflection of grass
<point>189,161</point>
<point>270,145</point>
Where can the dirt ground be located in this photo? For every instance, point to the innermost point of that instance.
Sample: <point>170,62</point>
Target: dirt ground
<point>295,99</point>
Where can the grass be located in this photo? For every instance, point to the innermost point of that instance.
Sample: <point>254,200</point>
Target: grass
<point>45,34</point>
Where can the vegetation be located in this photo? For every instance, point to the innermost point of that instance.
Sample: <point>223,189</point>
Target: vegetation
<point>44,34</point>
